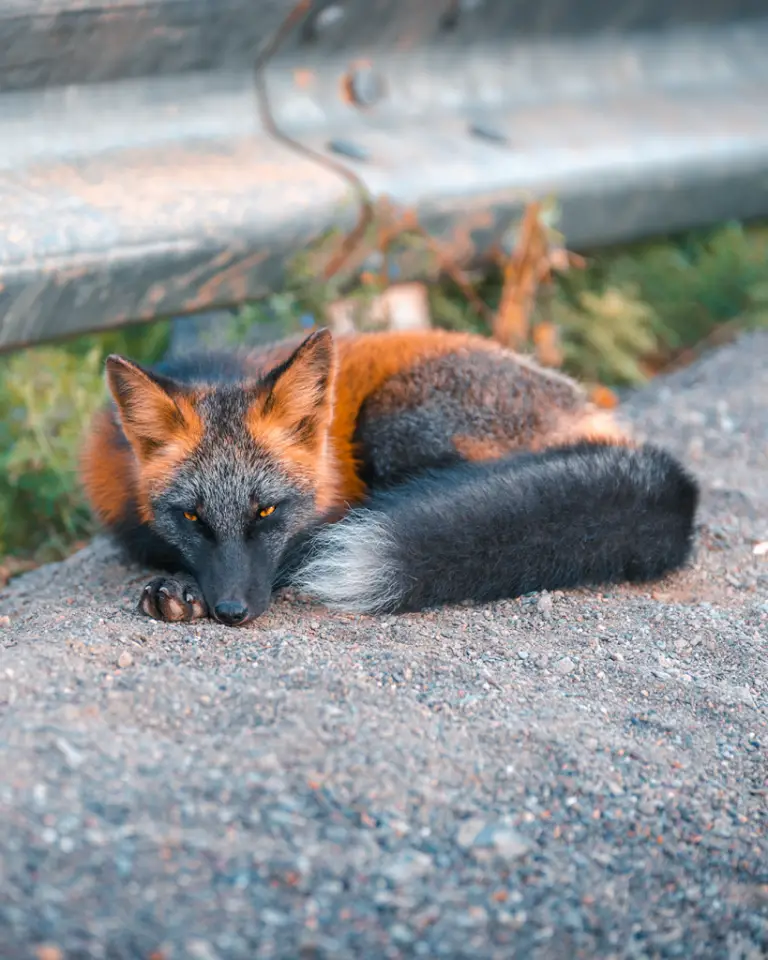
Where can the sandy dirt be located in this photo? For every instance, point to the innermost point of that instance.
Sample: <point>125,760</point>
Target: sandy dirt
<point>567,775</point>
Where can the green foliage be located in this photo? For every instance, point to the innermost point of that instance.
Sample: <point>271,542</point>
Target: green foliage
<point>691,284</point>
<point>605,335</point>
<point>47,396</point>
<point>282,313</point>
<point>646,302</point>
<point>43,412</point>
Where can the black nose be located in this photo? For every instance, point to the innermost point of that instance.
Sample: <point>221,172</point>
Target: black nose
<point>230,612</point>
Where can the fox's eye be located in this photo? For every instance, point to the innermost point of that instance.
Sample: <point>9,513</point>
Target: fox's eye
<point>267,511</point>
<point>192,517</point>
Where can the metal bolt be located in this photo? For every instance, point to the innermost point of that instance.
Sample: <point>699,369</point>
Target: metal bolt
<point>329,15</point>
<point>348,149</point>
<point>323,20</point>
<point>452,16</point>
<point>363,86</point>
<point>485,132</point>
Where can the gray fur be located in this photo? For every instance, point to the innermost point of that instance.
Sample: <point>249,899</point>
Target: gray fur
<point>412,422</point>
<point>229,472</point>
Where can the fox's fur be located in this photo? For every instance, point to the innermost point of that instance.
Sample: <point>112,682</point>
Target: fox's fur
<point>405,470</point>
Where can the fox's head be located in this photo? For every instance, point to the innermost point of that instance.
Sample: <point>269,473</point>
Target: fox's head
<point>228,473</point>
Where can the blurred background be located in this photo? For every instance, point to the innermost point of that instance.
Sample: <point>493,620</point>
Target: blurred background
<point>587,182</point>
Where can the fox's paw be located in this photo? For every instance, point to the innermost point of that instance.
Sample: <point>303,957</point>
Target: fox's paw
<point>173,599</point>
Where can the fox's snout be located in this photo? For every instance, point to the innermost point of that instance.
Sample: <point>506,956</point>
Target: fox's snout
<point>236,580</point>
<point>236,611</point>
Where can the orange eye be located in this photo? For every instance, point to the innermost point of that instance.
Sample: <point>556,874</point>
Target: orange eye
<point>266,511</point>
<point>190,516</point>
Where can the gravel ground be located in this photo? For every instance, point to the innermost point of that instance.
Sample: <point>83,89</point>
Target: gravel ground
<point>566,775</point>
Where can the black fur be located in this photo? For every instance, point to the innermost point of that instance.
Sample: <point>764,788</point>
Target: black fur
<point>567,517</point>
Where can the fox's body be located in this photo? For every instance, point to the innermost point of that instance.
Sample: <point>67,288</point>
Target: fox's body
<point>314,428</point>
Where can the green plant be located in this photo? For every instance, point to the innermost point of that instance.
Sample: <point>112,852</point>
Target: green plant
<point>692,282</point>
<point>43,412</point>
<point>634,309</point>
<point>47,396</point>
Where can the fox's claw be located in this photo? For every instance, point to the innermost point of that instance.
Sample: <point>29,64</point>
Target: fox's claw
<point>172,599</point>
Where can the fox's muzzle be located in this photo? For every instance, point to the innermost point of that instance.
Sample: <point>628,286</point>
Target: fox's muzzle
<point>237,582</point>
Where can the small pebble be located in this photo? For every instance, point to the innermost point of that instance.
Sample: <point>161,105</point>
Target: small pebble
<point>469,831</point>
<point>565,665</point>
<point>400,933</point>
<point>410,865</point>
<point>742,695</point>
<point>125,659</point>
<point>509,844</point>
<point>545,605</point>
<point>49,951</point>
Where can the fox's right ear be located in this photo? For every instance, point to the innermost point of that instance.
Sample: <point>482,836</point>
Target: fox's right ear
<point>301,389</point>
<point>150,415</point>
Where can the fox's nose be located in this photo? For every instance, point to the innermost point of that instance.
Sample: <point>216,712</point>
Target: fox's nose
<point>230,612</point>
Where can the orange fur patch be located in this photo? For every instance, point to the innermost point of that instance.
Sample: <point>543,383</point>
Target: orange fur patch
<point>162,430</point>
<point>477,448</point>
<point>114,478</point>
<point>364,363</point>
<point>292,419</point>
<point>107,470</point>
<point>151,416</point>
<point>595,426</point>
<point>156,470</point>
<point>603,397</point>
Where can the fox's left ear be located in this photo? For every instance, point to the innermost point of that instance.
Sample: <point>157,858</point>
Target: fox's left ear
<point>301,389</point>
<point>149,411</point>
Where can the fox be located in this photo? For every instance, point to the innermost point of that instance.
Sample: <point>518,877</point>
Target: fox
<point>374,472</point>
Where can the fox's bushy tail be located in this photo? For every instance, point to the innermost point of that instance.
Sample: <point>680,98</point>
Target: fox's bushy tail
<point>582,515</point>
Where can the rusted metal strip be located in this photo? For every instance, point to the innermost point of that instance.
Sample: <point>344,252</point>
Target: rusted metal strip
<point>138,180</point>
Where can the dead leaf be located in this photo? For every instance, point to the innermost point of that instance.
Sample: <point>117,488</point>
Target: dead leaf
<point>13,566</point>
<point>604,398</point>
<point>526,269</point>
<point>546,340</point>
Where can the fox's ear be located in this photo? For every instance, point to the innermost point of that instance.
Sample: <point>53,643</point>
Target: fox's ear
<point>301,389</point>
<point>150,415</point>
